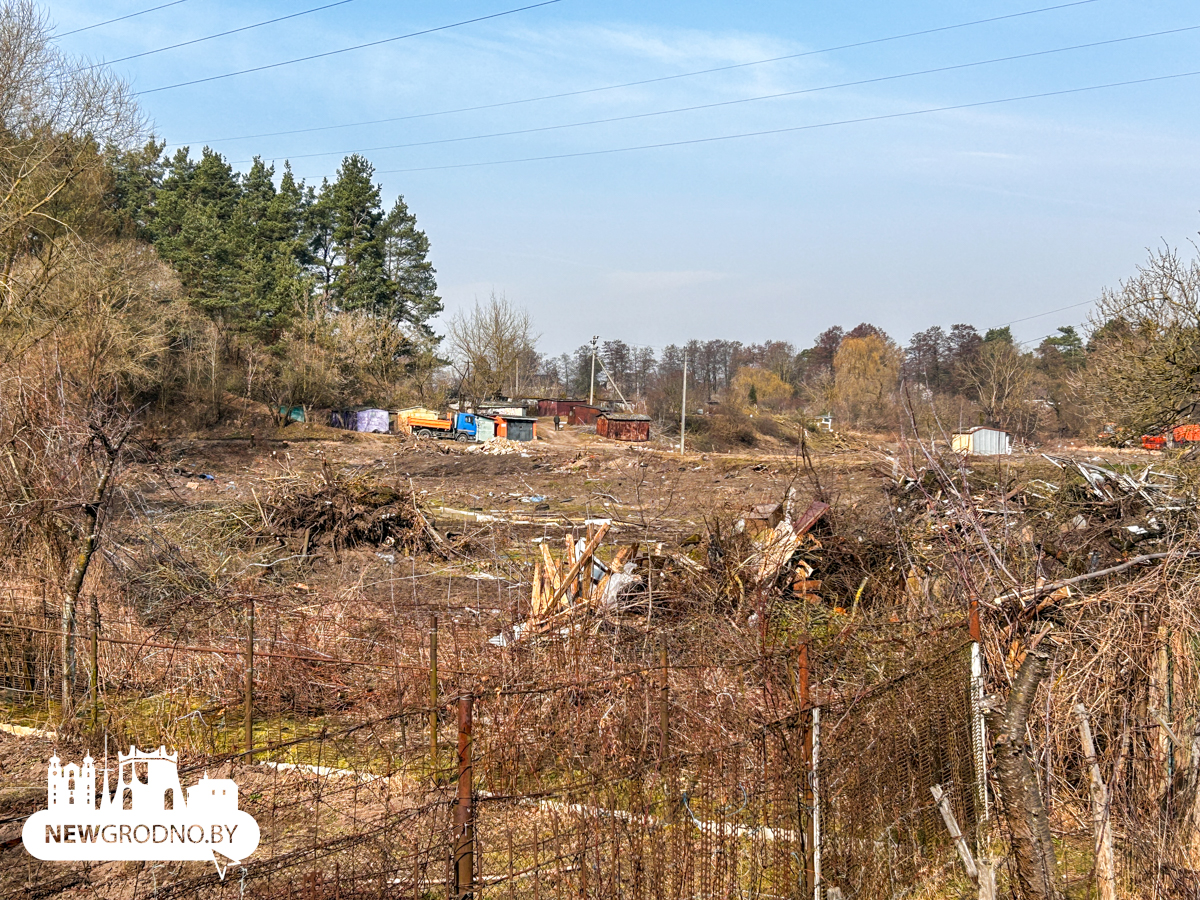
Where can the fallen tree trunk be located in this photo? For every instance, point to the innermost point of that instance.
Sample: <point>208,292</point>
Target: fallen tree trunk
<point>1020,796</point>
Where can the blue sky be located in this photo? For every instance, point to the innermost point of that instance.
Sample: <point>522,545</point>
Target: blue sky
<point>985,215</point>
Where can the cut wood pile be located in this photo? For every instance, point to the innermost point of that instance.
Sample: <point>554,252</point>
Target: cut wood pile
<point>585,579</point>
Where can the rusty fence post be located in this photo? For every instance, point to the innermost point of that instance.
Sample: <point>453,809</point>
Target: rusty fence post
<point>249,701</point>
<point>464,810</point>
<point>433,695</point>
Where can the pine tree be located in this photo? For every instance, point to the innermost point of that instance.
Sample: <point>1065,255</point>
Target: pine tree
<point>359,279</point>
<point>266,229</point>
<point>193,210</point>
<point>412,276</point>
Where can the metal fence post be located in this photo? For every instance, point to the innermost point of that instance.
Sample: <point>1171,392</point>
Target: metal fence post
<point>978,722</point>
<point>807,721</point>
<point>249,701</point>
<point>464,812</point>
<point>433,695</point>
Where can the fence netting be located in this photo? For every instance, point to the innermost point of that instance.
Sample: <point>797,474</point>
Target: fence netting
<point>880,757</point>
<point>604,764</point>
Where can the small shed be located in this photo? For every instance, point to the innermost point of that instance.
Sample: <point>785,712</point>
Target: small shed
<point>372,420</point>
<point>485,427</point>
<point>520,428</point>
<point>343,418</point>
<point>553,407</point>
<point>982,440</point>
<point>582,414</point>
<point>623,428</point>
<point>291,414</point>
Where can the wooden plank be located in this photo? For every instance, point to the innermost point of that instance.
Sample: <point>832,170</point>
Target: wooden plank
<point>535,602</point>
<point>586,566</point>
<point>569,563</point>
<point>573,573</point>
<point>553,573</point>
<point>810,517</point>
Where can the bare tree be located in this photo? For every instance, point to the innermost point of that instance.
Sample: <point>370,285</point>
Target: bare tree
<point>1143,371</point>
<point>1001,380</point>
<point>487,342</point>
<point>83,320</point>
<point>1020,794</point>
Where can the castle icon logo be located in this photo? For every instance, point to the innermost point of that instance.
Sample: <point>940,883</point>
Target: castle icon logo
<point>148,816</point>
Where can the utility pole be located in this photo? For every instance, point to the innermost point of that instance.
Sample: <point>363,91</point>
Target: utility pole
<point>592,383</point>
<point>683,406</point>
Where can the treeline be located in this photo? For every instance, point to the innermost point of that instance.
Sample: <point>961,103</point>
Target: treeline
<point>310,295</point>
<point>860,376</point>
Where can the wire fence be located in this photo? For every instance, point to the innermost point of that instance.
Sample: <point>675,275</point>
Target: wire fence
<point>880,757</point>
<point>601,762</point>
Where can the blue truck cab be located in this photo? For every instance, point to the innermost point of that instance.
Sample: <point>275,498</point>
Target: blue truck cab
<point>464,426</point>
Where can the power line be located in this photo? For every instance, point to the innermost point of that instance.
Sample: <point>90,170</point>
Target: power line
<point>772,131</point>
<point>613,87</point>
<point>722,103</point>
<point>122,18</point>
<point>288,62</point>
<point>1049,312</point>
<point>220,34</point>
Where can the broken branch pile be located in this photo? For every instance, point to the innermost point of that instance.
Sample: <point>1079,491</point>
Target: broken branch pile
<point>344,512</point>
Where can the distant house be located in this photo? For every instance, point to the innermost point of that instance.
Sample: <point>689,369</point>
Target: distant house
<point>491,425</point>
<point>582,414</point>
<point>506,410</point>
<point>623,427</point>
<point>982,440</point>
<point>552,407</point>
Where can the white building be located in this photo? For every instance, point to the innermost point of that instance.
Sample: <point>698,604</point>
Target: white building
<point>982,440</point>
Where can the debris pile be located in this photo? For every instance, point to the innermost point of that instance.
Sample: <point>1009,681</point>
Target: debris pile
<point>579,582</point>
<point>346,512</point>
<point>580,579</point>
<point>1079,520</point>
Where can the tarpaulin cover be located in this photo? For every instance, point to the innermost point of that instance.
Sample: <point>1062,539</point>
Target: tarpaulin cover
<point>373,420</point>
<point>343,418</point>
